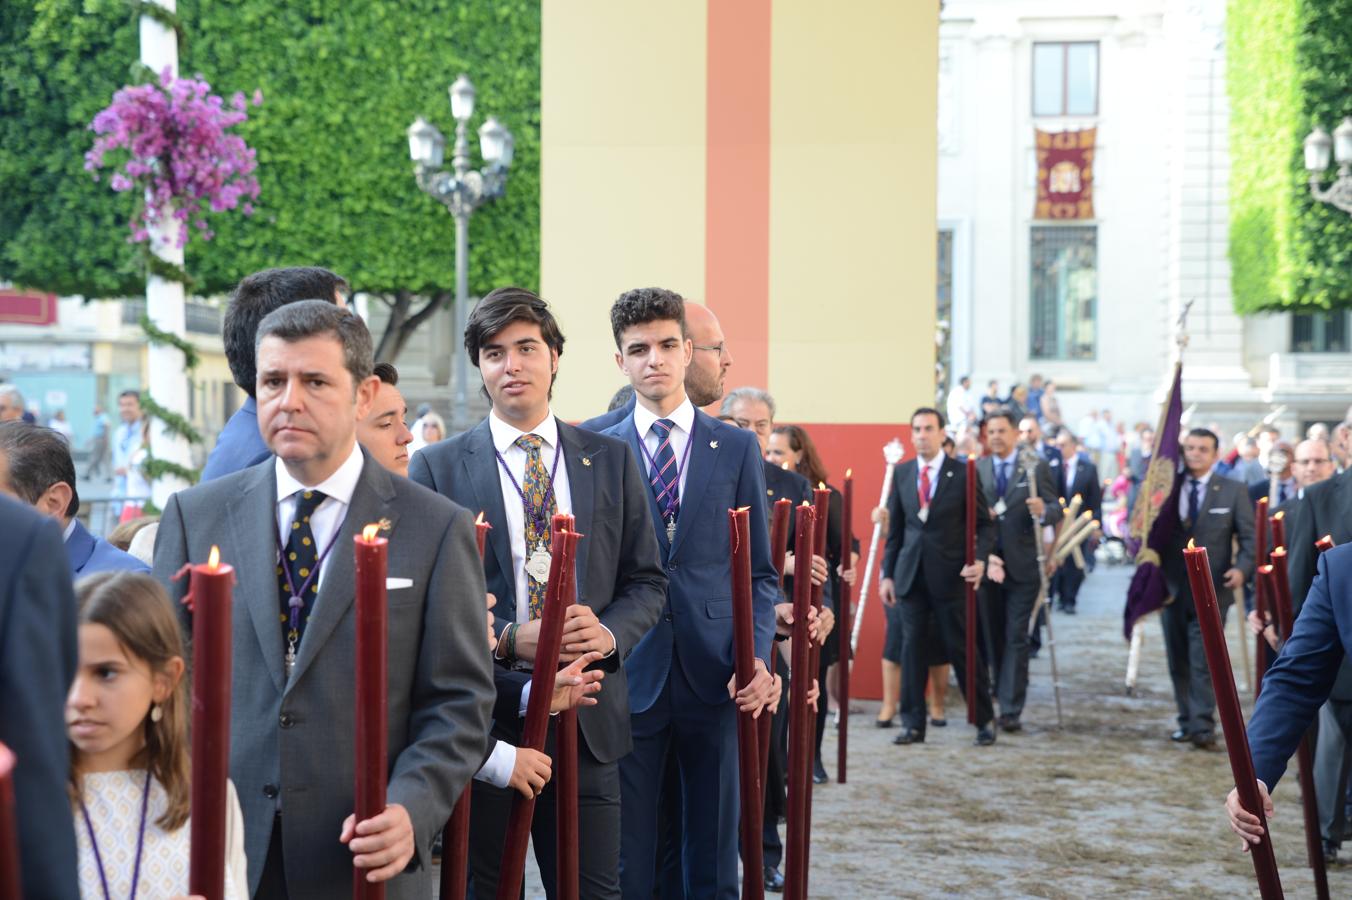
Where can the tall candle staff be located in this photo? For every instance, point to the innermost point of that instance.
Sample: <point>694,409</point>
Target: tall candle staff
<point>800,762</point>
<point>843,609</point>
<point>372,672</point>
<point>744,658</point>
<point>1231,715</point>
<point>211,588</point>
<point>892,453</point>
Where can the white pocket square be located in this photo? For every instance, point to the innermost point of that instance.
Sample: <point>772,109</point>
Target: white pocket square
<point>395,584</point>
<point>1219,510</point>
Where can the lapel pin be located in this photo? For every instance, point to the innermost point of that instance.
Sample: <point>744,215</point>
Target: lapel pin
<point>586,460</point>
<point>385,524</point>
<point>713,445</point>
<point>949,475</point>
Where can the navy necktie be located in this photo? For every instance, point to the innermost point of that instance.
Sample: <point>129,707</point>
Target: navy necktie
<point>1194,501</point>
<point>665,478</point>
<point>302,555</point>
<point>1001,477</point>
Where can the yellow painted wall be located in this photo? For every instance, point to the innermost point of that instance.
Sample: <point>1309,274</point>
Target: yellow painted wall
<point>853,209</point>
<point>622,172</point>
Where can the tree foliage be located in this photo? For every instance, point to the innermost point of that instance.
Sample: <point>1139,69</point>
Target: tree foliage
<point>1288,72</point>
<point>343,81</point>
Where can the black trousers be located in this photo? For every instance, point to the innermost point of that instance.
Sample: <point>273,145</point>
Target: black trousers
<point>598,813</point>
<point>1332,765</point>
<point>776,797</point>
<point>1011,609</point>
<point>950,621</point>
<point>1065,584</point>
<point>272,884</point>
<point>1193,694</point>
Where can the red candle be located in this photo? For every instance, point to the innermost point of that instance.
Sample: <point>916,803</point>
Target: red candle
<point>969,538</point>
<point>372,673</point>
<point>536,726</point>
<point>565,767</point>
<point>211,588</point>
<point>800,750</point>
<point>455,837</point>
<point>779,534</point>
<point>9,830</point>
<point>744,661</point>
<point>1232,717</point>
<point>844,629</point>
<point>1324,543</point>
<point>1260,594</point>
<point>1279,529</point>
<point>1282,588</point>
<point>822,503</point>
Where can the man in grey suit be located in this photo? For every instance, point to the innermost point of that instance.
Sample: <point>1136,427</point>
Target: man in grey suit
<point>1019,509</point>
<point>292,717</point>
<point>1212,512</point>
<point>521,464</point>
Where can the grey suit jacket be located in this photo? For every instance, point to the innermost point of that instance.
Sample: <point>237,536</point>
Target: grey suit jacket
<point>1326,508</point>
<point>1017,533</point>
<point>620,574</point>
<point>1225,515</point>
<point>291,742</point>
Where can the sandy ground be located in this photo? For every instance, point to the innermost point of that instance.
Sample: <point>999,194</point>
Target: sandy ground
<point>1105,807</point>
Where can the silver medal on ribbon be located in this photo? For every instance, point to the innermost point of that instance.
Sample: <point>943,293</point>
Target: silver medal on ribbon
<point>537,567</point>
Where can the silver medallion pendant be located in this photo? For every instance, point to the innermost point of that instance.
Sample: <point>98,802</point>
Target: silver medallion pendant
<point>537,566</point>
<point>923,514</point>
<point>290,661</point>
<point>671,530</point>
<point>1000,507</point>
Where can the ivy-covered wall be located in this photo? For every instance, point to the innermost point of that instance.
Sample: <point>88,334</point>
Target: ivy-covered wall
<point>1289,69</point>
<point>341,81</point>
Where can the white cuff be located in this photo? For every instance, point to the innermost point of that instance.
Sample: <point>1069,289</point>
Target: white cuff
<point>614,644</point>
<point>497,769</point>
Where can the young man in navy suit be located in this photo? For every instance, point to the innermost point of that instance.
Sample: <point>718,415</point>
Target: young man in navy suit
<point>36,467</point>
<point>681,684</point>
<point>519,466</point>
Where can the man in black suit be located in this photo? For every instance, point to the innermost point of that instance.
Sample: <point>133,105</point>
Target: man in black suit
<point>1079,476</point>
<point>1019,509</point>
<point>1288,486</point>
<point>520,466</point>
<point>37,664</point>
<point>925,567</point>
<point>1212,511</point>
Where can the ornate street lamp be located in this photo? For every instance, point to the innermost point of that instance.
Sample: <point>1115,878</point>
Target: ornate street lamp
<point>461,190</point>
<point>1318,147</point>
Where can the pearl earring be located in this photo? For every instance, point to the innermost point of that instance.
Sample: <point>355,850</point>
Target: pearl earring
<point>156,713</point>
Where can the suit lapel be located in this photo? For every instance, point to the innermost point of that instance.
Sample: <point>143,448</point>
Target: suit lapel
<point>256,562</point>
<point>372,501</point>
<point>944,476</point>
<point>578,460</point>
<point>703,458</point>
<point>481,470</point>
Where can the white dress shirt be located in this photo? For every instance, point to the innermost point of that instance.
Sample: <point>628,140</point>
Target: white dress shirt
<point>683,417</point>
<point>1186,491</point>
<point>932,467</point>
<point>328,516</point>
<point>504,441</point>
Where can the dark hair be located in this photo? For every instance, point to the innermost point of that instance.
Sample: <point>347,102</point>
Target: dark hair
<point>948,442</point>
<point>130,392</point>
<point>255,297</point>
<point>387,373</point>
<point>136,609</point>
<point>1001,413</point>
<point>1206,433</point>
<point>501,308</point>
<point>313,318</point>
<point>929,411</point>
<point>621,398</point>
<point>810,464</point>
<point>37,458</point>
<point>643,305</point>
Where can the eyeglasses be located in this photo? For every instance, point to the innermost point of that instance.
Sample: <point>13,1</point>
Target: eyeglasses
<point>720,349</point>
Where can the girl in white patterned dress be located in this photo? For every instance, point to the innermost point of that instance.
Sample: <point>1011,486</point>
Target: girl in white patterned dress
<point>127,720</point>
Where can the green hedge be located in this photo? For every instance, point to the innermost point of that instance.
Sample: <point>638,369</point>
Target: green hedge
<point>1288,70</point>
<point>342,81</point>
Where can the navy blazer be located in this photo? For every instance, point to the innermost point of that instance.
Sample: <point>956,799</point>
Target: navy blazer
<point>37,665</point>
<point>1299,682</point>
<point>89,554</point>
<point>239,445</point>
<point>609,419</point>
<point>725,472</point>
<point>619,575</point>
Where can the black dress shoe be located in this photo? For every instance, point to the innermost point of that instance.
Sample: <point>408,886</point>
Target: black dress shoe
<point>1204,740</point>
<point>1010,724</point>
<point>938,723</point>
<point>774,882</point>
<point>986,736</point>
<point>1179,736</point>
<point>1331,853</point>
<point>884,723</point>
<point>819,775</point>
<point>1068,610</point>
<point>909,736</point>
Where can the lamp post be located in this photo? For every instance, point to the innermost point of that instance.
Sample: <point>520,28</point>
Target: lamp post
<point>461,190</point>
<point>1318,147</point>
